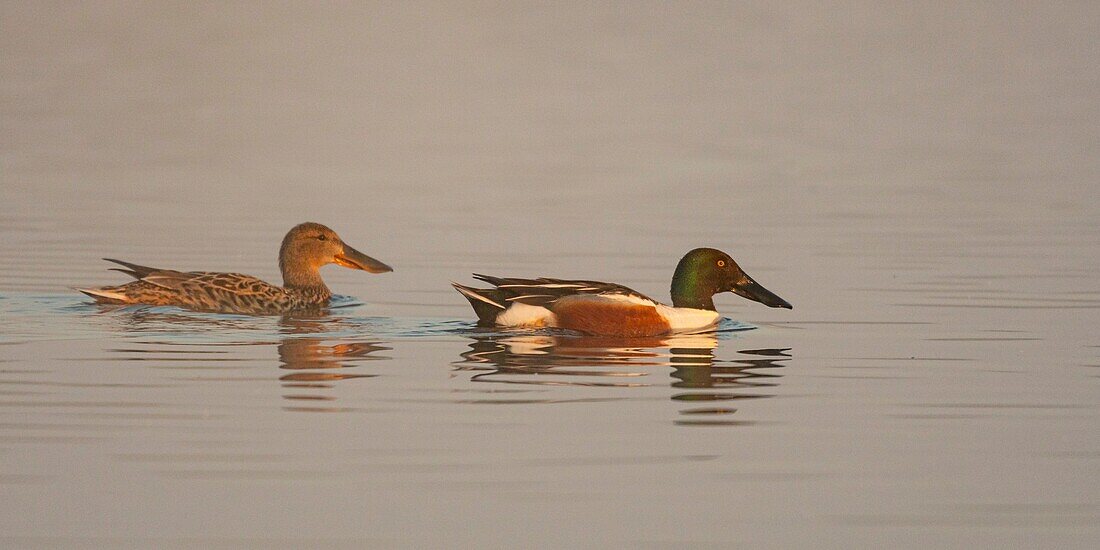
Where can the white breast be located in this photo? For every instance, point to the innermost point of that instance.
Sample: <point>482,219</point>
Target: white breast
<point>685,319</point>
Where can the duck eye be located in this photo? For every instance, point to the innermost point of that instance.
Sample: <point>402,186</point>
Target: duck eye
<point>322,238</point>
<point>721,263</point>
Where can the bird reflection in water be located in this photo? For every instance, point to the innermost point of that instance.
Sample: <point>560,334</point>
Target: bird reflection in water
<point>317,362</point>
<point>558,360</point>
<point>751,371</point>
<point>315,348</point>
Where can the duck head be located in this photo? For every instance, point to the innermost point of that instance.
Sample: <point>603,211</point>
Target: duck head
<point>704,272</point>
<point>309,246</point>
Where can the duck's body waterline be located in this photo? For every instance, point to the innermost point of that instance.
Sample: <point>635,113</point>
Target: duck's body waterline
<point>609,309</point>
<point>589,307</point>
<point>305,249</point>
<point>592,314</point>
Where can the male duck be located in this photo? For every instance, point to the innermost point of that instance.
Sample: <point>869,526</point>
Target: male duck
<point>305,249</point>
<point>608,309</point>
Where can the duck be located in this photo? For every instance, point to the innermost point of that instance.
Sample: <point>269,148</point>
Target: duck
<point>305,249</point>
<point>596,308</point>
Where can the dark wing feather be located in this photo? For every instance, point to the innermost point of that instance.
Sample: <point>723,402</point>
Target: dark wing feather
<point>134,270</point>
<point>545,291</point>
<point>495,281</point>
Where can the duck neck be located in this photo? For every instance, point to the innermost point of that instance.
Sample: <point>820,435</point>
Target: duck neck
<point>689,291</point>
<point>303,277</point>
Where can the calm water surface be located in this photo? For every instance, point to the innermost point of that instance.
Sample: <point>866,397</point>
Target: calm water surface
<point>921,184</point>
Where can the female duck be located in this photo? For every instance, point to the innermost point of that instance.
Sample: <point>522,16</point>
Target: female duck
<point>608,309</point>
<point>305,249</point>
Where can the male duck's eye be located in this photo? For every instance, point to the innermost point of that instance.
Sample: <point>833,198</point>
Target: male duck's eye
<point>322,238</point>
<point>721,263</point>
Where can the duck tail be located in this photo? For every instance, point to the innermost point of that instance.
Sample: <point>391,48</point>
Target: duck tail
<point>486,305</point>
<point>106,295</point>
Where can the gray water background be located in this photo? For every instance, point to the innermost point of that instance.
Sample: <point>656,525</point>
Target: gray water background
<point>919,179</point>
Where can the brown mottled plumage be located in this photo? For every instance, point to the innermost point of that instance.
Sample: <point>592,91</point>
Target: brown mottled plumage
<point>305,249</point>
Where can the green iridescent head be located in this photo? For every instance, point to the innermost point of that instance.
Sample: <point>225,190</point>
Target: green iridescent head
<point>704,272</point>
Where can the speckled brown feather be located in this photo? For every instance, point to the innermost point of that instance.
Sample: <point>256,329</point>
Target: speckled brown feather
<point>305,249</point>
<point>216,292</point>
